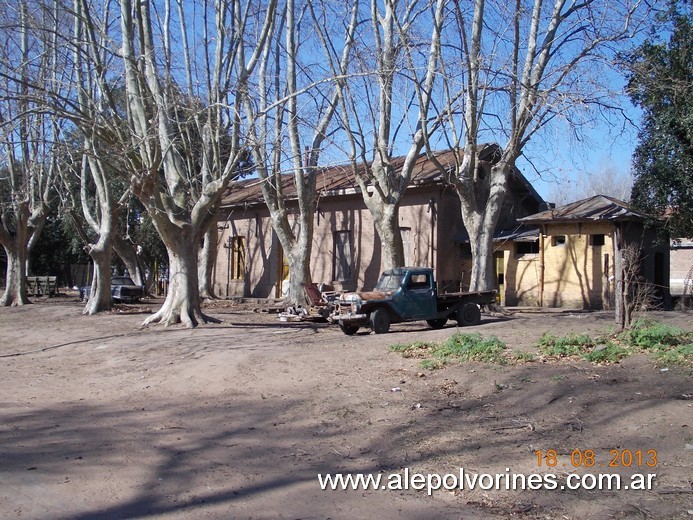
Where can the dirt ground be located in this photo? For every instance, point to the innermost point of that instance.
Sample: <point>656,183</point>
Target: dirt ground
<point>102,419</point>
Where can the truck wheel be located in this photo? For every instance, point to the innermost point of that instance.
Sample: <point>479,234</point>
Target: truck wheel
<point>469,314</point>
<point>437,324</point>
<point>349,330</point>
<point>380,321</point>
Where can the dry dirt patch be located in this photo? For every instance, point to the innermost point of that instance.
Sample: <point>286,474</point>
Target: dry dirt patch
<point>102,419</point>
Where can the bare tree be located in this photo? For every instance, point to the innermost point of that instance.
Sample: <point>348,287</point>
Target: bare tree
<point>633,292</point>
<point>523,70</point>
<point>27,137</point>
<point>606,181</point>
<point>396,62</point>
<point>296,106</point>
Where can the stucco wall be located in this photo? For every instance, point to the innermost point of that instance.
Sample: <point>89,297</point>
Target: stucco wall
<point>681,265</point>
<point>419,213</point>
<point>574,272</point>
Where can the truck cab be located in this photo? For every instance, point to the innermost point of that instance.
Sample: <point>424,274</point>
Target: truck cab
<point>406,294</point>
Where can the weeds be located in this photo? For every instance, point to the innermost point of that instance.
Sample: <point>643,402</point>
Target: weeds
<point>608,353</point>
<point>459,347</point>
<point>524,357</point>
<point>566,346</point>
<point>668,344</point>
<point>648,334</point>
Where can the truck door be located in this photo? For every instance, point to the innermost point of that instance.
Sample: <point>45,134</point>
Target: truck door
<point>417,297</point>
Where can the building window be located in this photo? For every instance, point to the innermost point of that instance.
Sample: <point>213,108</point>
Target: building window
<point>527,248</point>
<point>342,256</point>
<point>596,240</point>
<point>558,240</point>
<point>237,257</point>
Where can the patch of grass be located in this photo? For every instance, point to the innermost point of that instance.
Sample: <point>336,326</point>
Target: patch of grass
<point>564,346</point>
<point>678,355</point>
<point>432,364</point>
<point>668,344</point>
<point>583,346</point>
<point>459,347</point>
<point>471,347</point>
<point>417,349</point>
<point>524,357</point>
<point>649,334</point>
<point>607,353</point>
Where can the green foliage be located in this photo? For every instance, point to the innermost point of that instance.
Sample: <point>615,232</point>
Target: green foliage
<point>660,81</point>
<point>583,346</point>
<point>608,353</point>
<point>649,334</point>
<point>459,347</point>
<point>57,248</point>
<point>668,344</point>
<point>524,357</point>
<point>570,345</point>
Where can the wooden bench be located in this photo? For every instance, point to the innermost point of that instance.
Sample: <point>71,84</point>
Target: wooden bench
<point>41,285</point>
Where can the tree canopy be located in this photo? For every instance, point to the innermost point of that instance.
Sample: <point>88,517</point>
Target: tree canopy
<point>660,75</point>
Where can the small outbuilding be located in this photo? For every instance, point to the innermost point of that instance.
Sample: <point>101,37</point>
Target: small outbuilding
<point>580,248</point>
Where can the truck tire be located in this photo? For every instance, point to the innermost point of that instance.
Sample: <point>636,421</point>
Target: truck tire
<point>438,323</point>
<point>380,321</point>
<point>349,330</point>
<point>469,314</point>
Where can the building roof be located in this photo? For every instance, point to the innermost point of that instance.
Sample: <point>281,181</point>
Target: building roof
<point>594,209</point>
<point>519,234</point>
<point>339,180</point>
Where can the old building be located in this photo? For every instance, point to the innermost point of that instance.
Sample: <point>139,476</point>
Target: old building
<point>573,261</point>
<point>346,248</point>
<point>681,279</point>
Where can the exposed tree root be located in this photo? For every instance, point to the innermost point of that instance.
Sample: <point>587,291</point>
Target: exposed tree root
<point>9,301</point>
<point>170,315</point>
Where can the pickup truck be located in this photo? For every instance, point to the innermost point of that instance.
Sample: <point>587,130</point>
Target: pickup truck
<point>406,294</point>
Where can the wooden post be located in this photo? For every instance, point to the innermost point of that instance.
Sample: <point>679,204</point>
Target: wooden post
<point>619,282</point>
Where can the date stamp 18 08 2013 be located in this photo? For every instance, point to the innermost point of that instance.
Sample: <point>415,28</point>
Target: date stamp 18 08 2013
<point>616,458</point>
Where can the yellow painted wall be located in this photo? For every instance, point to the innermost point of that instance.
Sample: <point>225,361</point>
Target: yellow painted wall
<point>574,275</point>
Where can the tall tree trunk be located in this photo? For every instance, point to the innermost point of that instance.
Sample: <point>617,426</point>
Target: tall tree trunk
<point>299,275</point>
<point>17,246</point>
<point>15,279</point>
<point>182,304</point>
<point>206,259</point>
<point>386,220</point>
<point>481,241</point>
<point>481,192</point>
<point>100,296</point>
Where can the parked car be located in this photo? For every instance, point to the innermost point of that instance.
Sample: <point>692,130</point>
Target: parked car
<point>122,289</point>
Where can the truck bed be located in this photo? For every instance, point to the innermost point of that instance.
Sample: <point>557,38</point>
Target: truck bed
<point>447,300</point>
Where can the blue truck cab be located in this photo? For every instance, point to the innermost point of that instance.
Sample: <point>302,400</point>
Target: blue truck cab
<point>406,294</point>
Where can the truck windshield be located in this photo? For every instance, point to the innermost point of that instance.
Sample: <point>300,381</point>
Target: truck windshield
<point>389,282</point>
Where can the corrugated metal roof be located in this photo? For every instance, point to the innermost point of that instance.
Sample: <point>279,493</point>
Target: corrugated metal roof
<point>333,179</point>
<point>518,234</point>
<point>597,208</point>
<point>340,178</point>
